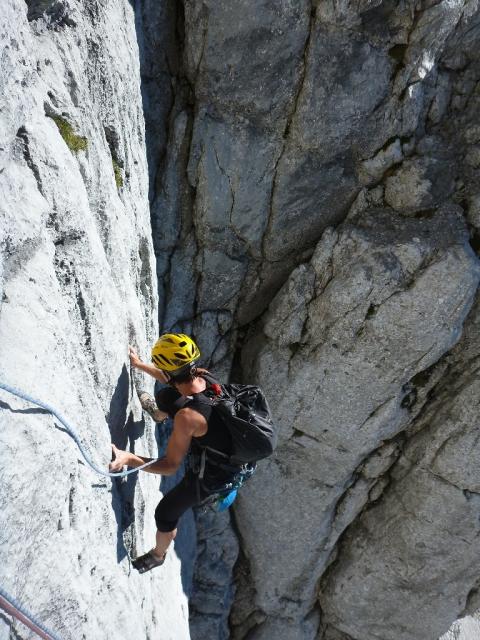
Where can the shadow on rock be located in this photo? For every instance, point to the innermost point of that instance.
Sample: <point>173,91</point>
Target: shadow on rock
<point>123,493</point>
<point>117,413</point>
<point>156,26</point>
<point>123,432</point>
<point>5,405</point>
<point>185,544</point>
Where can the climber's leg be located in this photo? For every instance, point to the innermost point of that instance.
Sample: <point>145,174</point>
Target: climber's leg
<point>183,496</point>
<point>150,406</point>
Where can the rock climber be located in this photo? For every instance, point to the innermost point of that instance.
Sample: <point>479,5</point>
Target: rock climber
<point>196,426</point>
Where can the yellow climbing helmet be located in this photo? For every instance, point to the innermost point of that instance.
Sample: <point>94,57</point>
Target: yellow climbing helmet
<point>173,351</point>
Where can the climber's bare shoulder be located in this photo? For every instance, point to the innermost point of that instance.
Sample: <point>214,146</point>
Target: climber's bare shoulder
<point>191,422</point>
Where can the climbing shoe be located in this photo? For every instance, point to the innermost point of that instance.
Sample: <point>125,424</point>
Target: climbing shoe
<point>147,562</point>
<point>150,406</point>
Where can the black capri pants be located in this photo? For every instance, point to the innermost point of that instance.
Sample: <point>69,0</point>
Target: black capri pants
<point>186,494</point>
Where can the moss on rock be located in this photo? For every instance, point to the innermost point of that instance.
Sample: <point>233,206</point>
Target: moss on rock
<point>117,170</point>
<point>73,141</point>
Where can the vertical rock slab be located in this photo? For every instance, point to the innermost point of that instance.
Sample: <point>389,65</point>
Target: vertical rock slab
<point>421,539</point>
<point>233,142</point>
<point>213,591</point>
<point>379,302</point>
<point>77,283</point>
<point>287,119</point>
<point>275,157</point>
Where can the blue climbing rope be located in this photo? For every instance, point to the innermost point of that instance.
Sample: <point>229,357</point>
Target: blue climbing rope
<point>72,433</point>
<point>13,608</point>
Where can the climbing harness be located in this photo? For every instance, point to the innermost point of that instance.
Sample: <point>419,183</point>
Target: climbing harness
<point>72,433</point>
<point>13,608</point>
<point>221,498</point>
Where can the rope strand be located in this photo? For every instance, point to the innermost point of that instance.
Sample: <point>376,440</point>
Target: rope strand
<point>13,608</point>
<point>71,431</point>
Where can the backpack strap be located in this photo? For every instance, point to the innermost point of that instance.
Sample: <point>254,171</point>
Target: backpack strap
<point>203,459</point>
<point>223,455</point>
<point>213,383</point>
<point>209,454</point>
<point>200,455</point>
<point>209,378</point>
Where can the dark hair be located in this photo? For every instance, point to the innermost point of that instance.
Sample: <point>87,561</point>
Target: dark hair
<point>186,374</point>
<point>170,401</point>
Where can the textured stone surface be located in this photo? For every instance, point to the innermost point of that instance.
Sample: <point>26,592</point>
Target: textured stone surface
<point>212,596</point>
<point>274,158</point>
<point>372,323</point>
<point>422,538</point>
<point>315,216</point>
<point>288,119</point>
<point>77,284</point>
<point>467,628</point>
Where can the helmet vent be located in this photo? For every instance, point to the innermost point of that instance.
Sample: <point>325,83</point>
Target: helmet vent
<point>173,351</point>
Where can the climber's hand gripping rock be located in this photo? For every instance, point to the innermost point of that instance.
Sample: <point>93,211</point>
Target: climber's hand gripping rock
<point>151,369</point>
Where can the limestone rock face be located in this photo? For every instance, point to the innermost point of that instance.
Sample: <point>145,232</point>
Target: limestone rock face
<point>463,629</point>
<point>312,175</point>
<point>77,283</point>
<point>316,220</point>
<point>426,526</point>
<point>381,318</point>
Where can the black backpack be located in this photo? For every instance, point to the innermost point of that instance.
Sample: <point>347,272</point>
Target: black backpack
<point>244,410</point>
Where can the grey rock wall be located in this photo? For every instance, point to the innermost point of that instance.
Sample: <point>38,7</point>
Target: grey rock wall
<point>313,186</point>
<point>369,330</point>
<point>77,283</point>
<point>316,227</point>
<point>429,538</point>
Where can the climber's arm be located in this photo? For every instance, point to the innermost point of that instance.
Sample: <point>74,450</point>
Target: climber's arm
<point>126,458</point>
<point>178,446</point>
<point>151,369</point>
